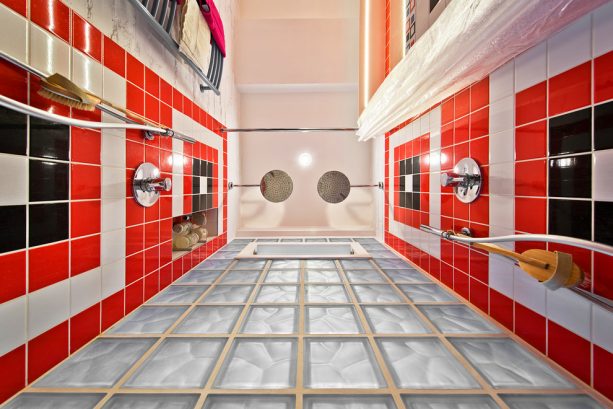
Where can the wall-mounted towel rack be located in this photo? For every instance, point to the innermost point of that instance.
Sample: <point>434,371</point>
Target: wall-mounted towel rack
<point>160,14</point>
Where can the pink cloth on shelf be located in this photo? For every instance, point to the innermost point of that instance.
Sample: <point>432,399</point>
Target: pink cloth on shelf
<point>213,19</point>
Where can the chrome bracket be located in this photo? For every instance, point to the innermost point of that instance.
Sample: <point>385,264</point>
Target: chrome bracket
<point>465,179</point>
<point>147,184</point>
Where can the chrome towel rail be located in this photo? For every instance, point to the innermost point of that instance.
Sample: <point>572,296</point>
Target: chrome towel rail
<point>551,238</point>
<point>227,130</point>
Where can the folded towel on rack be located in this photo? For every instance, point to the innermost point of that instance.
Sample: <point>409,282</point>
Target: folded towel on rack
<point>193,34</point>
<point>213,19</point>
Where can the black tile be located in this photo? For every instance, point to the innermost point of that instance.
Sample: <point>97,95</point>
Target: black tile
<point>13,228</point>
<point>202,202</point>
<point>571,176</point>
<point>209,201</point>
<point>416,183</point>
<point>571,133</point>
<point>403,167</point>
<point>48,139</point>
<point>433,4</point>
<point>402,183</point>
<point>401,200</point>
<point>48,181</point>
<point>203,168</point>
<point>603,222</point>
<point>209,185</point>
<point>195,203</point>
<point>415,164</point>
<point>603,126</point>
<point>408,200</point>
<point>48,223</point>
<point>13,132</point>
<point>196,185</point>
<point>209,169</point>
<point>195,166</point>
<point>570,218</point>
<point>416,201</point>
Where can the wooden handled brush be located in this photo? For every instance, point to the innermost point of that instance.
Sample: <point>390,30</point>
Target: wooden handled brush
<point>552,268</point>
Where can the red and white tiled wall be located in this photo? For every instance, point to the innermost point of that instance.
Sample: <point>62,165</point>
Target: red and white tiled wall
<point>541,127</point>
<point>76,251</point>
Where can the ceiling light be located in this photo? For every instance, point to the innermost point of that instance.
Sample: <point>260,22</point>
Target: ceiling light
<point>305,159</point>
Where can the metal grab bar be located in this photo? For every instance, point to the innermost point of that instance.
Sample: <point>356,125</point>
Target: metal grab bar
<point>227,130</point>
<point>42,114</point>
<point>551,238</point>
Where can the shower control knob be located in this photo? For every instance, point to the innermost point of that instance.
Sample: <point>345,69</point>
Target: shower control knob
<point>157,185</point>
<point>451,179</point>
<point>148,183</point>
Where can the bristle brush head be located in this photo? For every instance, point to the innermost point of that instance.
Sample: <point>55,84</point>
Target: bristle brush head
<point>64,100</point>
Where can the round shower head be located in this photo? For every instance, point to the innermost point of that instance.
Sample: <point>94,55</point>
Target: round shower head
<point>333,186</point>
<point>276,186</point>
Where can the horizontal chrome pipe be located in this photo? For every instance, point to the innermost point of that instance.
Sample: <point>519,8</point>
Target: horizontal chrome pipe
<point>227,130</point>
<point>550,238</point>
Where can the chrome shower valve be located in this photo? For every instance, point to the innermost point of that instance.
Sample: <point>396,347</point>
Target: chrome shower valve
<point>147,184</point>
<point>465,180</point>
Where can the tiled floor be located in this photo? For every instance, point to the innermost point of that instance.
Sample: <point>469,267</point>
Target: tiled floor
<point>317,334</point>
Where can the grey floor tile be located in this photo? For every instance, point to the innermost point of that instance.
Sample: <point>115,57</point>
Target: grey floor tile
<point>249,402</point>
<point>291,240</point>
<point>214,264</point>
<point>391,263</point>
<point>315,240</point>
<point>340,239</point>
<point>326,294</point>
<point>271,293</point>
<point>340,363</point>
<point>382,253</point>
<point>322,276</point>
<point>55,401</point>
<point>157,401</point>
<point>505,364</point>
<point>449,402</point>
<point>228,294</point>
<point>365,276</point>
<point>376,293</point>
<point>320,264</point>
<point>148,320</point>
<point>100,364</point>
<point>224,255</point>
<point>406,276</point>
<point>267,240</point>
<point>282,276</point>
<point>356,264</point>
<point>550,402</point>
<point>349,402</point>
<point>426,293</point>
<point>200,277</point>
<point>457,319</point>
<point>331,320</point>
<point>249,265</point>
<point>178,363</point>
<point>179,294</point>
<point>271,320</point>
<point>210,319</point>
<point>240,276</point>
<point>259,364</point>
<point>390,319</point>
<point>424,363</point>
<point>285,264</point>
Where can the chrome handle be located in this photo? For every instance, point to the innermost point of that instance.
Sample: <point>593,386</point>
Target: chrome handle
<point>156,185</point>
<point>452,179</point>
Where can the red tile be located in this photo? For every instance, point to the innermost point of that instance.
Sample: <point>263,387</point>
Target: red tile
<point>114,57</point>
<point>13,267</point>
<point>14,82</point>
<point>20,7</point>
<point>460,209</point>
<point>152,155</point>
<point>560,344</point>
<point>85,145</point>
<point>152,259</point>
<point>603,77</point>
<point>480,123</point>
<point>603,362</point>
<point>461,130</point>
<point>84,182</point>
<point>479,210</point>
<point>84,327</point>
<point>177,268</point>
<point>531,326</point>
<point>460,257</point>
<point>187,204</point>
<point>135,154</point>
<point>480,94</point>
<point>462,103</point>
<point>479,295</point>
<point>152,82</point>
<point>480,150</point>
<point>134,296</point>
<point>177,99</point>
<point>165,276</point>
<point>531,141</point>
<point>531,178</point>
<point>52,15</point>
<point>460,152</point>
<point>479,266</point>
<point>47,265</point>
<point>135,71</point>
<point>165,161</point>
<point>86,37</point>
<point>84,218</point>
<point>84,254</point>
<point>447,135</point>
<point>166,120</point>
<point>134,239</point>
<point>47,350</point>
<point>447,109</point>
<point>603,279</point>
<point>152,284</point>
<point>135,213</point>
<point>13,370</point>
<point>571,89</point>
<point>152,108</point>
<point>112,309</point>
<point>187,185</point>
<point>447,274</point>
<point>152,234</point>
<point>501,308</point>
<point>135,99</point>
<point>152,212</point>
<point>134,267</point>
<point>165,253</point>
<point>531,104</point>
<point>165,92</point>
<point>531,215</point>
<point>461,283</point>
<point>165,207</point>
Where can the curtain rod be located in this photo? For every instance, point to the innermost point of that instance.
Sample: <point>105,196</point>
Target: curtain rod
<point>227,130</point>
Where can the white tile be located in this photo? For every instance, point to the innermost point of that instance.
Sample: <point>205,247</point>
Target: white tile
<point>435,160</point>
<point>113,214</point>
<point>13,34</point>
<point>502,82</point>
<point>502,211</point>
<point>435,128</point>
<point>49,53</point>
<point>570,310</point>
<point>502,115</point>
<point>435,183</point>
<point>86,72</point>
<point>570,47</point>
<point>177,146</point>
<point>603,175</point>
<point>112,246</point>
<point>14,169</point>
<point>502,146</point>
<point>113,277</point>
<point>529,291</point>
<point>531,67</point>
<point>177,163</point>
<point>501,275</point>
<point>424,124</point>
<point>113,87</point>
<point>48,307</point>
<point>502,179</point>
<point>177,195</point>
<point>113,149</point>
<point>13,324</point>
<point>603,29</point>
<point>602,324</point>
<point>113,183</point>
<point>84,290</point>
